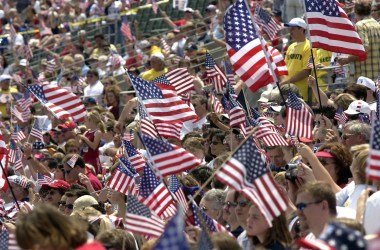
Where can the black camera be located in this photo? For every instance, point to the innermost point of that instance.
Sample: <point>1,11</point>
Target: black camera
<point>291,172</point>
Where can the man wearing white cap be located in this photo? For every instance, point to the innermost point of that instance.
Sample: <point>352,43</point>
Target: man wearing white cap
<point>5,94</point>
<point>157,64</point>
<point>371,91</point>
<point>297,57</point>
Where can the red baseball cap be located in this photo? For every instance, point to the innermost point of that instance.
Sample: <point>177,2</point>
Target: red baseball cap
<point>324,153</point>
<point>67,125</point>
<point>57,184</point>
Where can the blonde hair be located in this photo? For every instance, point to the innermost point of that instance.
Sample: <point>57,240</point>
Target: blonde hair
<point>344,100</point>
<point>95,117</point>
<point>359,165</point>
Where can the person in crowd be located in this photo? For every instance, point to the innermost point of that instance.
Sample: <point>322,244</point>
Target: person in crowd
<point>369,32</point>
<point>229,215</point>
<point>212,204</point>
<point>316,206</point>
<point>297,57</point>
<point>276,157</point>
<point>91,140</point>
<point>263,235</point>
<point>95,87</point>
<point>55,190</point>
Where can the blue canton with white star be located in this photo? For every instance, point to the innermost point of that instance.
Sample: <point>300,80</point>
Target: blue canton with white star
<point>38,92</point>
<point>263,14</point>
<point>293,101</point>
<point>209,62</point>
<point>238,26</point>
<point>209,222</point>
<point>134,206</point>
<point>156,146</point>
<point>326,7</point>
<point>376,135</point>
<point>149,182</point>
<point>162,80</point>
<point>146,90</point>
<point>250,157</point>
<point>174,184</point>
<point>131,151</point>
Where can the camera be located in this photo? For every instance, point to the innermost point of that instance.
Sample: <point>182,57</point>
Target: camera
<point>291,172</point>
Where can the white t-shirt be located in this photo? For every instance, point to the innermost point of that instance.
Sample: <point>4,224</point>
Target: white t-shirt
<point>94,90</point>
<point>371,214</point>
<point>349,195</point>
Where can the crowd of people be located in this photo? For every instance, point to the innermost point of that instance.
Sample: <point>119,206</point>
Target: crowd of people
<point>55,185</point>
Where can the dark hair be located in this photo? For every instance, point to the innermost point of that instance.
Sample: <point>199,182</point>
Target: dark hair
<point>80,162</point>
<point>359,91</point>
<point>93,72</point>
<point>202,174</point>
<point>320,190</point>
<point>342,159</point>
<point>363,7</point>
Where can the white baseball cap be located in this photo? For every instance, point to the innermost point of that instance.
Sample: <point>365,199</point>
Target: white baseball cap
<point>357,107</point>
<point>24,62</point>
<point>366,82</point>
<point>297,22</point>
<point>5,77</point>
<point>264,97</point>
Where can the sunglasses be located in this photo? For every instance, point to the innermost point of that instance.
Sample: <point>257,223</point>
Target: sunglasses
<point>216,142</point>
<point>242,203</point>
<point>230,204</point>
<point>301,206</point>
<point>69,206</point>
<point>62,203</point>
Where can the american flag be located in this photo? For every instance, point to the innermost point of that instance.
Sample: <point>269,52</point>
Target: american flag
<point>244,47</point>
<point>299,120</point>
<point>18,134</point>
<point>37,130</point>
<point>373,163</point>
<point>266,23</point>
<point>125,29</point>
<point>137,161</point>
<point>129,136</point>
<point>174,237</point>
<point>165,46</point>
<point>25,51</point>
<point>211,224</point>
<point>154,194</point>
<point>8,241</point>
<point>73,160</point>
<point>236,113</point>
<point>12,150</point>
<point>115,58</point>
<point>43,179</point>
<point>17,113</point>
<point>176,189</point>
<point>246,171</point>
<point>12,33</point>
<point>60,101</point>
<point>330,28</point>
<point>4,162</point>
<point>216,105</point>
<point>278,59</point>
<point>269,137</point>
<point>18,161</point>
<point>377,113</point>
<point>161,102</point>
<point>140,220</point>
<point>169,130</point>
<point>154,5</point>
<point>215,74</point>
<point>340,116</point>
<point>179,78</point>
<point>146,125</point>
<point>51,65</point>
<point>229,73</point>
<point>336,236</point>
<point>123,178</point>
<point>23,100</point>
<point>263,121</point>
<point>168,158</point>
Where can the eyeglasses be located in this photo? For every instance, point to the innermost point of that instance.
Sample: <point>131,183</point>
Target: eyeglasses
<point>230,204</point>
<point>69,206</point>
<point>242,203</point>
<point>62,203</point>
<point>301,206</point>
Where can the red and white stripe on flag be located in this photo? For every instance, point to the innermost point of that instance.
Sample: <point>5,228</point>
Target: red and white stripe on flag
<point>181,80</point>
<point>373,162</point>
<point>331,29</point>
<point>4,161</point>
<point>159,200</point>
<point>216,105</point>
<point>168,130</point>
<point>278,59</point>
<point>269,137</point>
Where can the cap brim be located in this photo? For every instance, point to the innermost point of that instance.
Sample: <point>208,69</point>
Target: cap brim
<point>351,112</point>
<point>324,154</point>
<point>305,140</point>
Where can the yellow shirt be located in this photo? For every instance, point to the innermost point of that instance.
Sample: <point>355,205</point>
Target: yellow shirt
<point>5,105</point>
<point>296,59</point>
<point>321,56</point>
<point>152,74</point>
